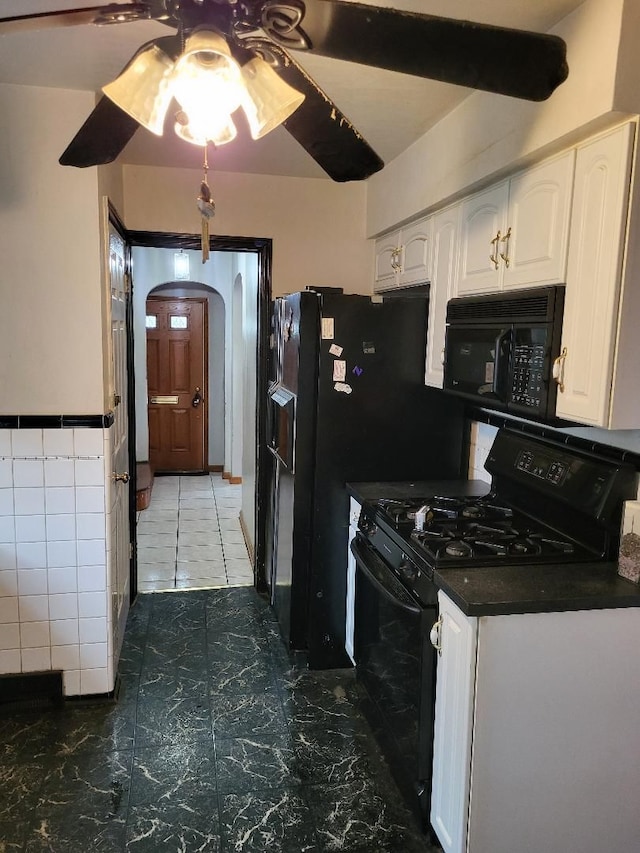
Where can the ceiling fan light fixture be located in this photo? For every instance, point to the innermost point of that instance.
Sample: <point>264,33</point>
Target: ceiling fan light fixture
<point>143,90</point>
<point>269,99</point>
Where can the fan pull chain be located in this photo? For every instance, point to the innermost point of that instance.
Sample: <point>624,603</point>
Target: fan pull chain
<point>207,209</point>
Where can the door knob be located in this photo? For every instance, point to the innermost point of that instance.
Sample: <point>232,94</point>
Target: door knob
<point>122,478</point>
<point>197,399</point>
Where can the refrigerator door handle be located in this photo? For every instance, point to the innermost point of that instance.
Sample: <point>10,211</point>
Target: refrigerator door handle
<point>274,452</point>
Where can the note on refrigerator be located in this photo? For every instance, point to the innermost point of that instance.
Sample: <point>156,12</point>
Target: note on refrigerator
<point>339,370</point>
<point>327,328</point>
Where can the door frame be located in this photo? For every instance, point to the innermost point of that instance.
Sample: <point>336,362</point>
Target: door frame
<point>263,248</point>
<point>205,371</point>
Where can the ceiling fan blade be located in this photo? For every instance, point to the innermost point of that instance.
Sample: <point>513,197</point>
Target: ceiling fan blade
<point>321,128</point>
<point>101,138</point>
<point>504,61</point>
<point>114,13</point>
<point>108,128</point>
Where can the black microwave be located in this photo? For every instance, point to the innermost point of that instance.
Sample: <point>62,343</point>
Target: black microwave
<point>500,349</point>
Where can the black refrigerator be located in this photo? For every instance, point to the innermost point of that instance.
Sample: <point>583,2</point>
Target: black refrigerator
<point>347,404</point>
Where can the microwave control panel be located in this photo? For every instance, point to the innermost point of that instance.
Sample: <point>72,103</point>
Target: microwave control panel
<point>527,385</point>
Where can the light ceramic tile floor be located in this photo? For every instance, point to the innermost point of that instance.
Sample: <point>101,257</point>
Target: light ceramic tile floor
<point>190,536</point>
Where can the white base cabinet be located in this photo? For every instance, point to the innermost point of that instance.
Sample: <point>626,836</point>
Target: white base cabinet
<point>455,673</point>
<point>537,744</point>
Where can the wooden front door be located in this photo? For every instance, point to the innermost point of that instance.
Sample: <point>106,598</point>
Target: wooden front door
<point>176,348</point>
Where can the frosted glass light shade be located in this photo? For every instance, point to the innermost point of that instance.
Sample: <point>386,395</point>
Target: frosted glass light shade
<point>270,100</point>
<point>207,84</point>
<point>143,90</point>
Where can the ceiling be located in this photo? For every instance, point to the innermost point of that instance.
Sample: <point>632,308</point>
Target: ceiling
<point>390,110</point>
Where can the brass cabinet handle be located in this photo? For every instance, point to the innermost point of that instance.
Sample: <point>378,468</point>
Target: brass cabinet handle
<point>558,369</point>
<point>494,256</point>
<point>505,255</point>
<point>434,635</point>
<point>395,263</point>
<point>122,478</point>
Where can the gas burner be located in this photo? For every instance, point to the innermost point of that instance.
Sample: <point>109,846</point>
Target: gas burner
<point>524,546</point>
<point>458,548</point>
<point>560,545</point>
<point>480,510</point>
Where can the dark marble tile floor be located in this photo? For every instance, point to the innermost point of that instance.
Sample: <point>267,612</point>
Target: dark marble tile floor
<point>218,744</point>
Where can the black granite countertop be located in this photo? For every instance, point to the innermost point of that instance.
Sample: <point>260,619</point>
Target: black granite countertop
<point>421,488</point>
<point>499,590</point>
<point>495,590</point>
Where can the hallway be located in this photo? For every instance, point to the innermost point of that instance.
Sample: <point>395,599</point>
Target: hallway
<point>217,745</point>
<point>190,535</point>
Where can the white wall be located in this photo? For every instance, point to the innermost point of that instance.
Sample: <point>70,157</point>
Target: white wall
<point>152,268</point>
<point>248,269</point>
<point>236,390</point>
<point>317,226</point>
<point>488,134</point>
<point>51,323</point>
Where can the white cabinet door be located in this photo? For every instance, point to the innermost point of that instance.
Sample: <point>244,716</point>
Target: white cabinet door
<point>415,245</point>
<point>594,267</point>
<point>515,233</point>
<point>444,260</point>
<point>455,677</point>
<point>388,261</point>
<point>403,257</point>
<point>533,250</point>
<point>354,515</point>
<point>482,224</point>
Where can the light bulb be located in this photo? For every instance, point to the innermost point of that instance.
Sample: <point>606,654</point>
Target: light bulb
<point>208,85</point>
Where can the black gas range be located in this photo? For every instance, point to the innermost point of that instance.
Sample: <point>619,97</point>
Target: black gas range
<point>547,505</point>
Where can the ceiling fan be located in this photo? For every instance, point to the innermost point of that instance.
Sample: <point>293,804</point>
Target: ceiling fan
<point>504,61</point>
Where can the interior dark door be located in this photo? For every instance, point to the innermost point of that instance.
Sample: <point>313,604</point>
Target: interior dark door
<point>176,349</point>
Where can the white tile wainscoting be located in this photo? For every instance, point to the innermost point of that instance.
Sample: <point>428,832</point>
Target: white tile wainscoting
<point>54,542</point>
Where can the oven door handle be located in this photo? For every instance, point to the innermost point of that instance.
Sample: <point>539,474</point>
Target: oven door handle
<point>380,575</point>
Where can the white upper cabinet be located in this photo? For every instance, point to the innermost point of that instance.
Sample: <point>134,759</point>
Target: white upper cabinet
<point>403,257</point>
<point>388,260</point>
<point>515,233</point>
<point>592,316</point>
<point>535,242</point>
<point>446,225</point>
<point>481,224</point>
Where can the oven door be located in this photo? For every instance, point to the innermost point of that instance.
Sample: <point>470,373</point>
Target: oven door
<point>477,362</point>
<point>395,662</point>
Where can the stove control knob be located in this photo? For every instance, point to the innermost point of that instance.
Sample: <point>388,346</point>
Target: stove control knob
<point>407,571</point>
